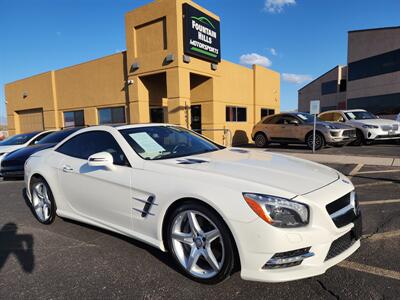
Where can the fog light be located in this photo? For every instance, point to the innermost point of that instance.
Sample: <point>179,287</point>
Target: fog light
<point>288,259</point>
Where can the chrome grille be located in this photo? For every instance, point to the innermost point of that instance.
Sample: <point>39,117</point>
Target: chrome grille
<point>349,133</point>
<point>343,210</point>
<point>394,127</point>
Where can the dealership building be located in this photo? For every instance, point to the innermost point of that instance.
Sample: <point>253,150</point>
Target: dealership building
<point>171,72</point>
<point>371,79</point>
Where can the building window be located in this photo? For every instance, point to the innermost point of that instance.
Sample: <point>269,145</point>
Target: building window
<point>112,115</point>
<point>74,118</point>
<point>267,112</point>
<point>236,114</point>
<point>329,87</point>
<point>388,104</point>
<point>343,85</point>
<point>375,65</point>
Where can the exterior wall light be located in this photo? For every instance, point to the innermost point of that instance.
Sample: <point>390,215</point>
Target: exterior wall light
<point>24,95</point>
<point>186,58</point>
<point>134,66</point>
<point>214,67</point>
<point>169,58</point>
<point>129,82</point>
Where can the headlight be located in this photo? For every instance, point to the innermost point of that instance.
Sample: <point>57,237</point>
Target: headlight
<point>278,212</point>
<point>370,126</point>
<point>330,126</point>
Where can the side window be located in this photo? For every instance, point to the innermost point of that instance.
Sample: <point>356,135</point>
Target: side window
<point>326,117</point>
<point>40,137</point>
<point>285,120</point>
<point>89,143</point>
<point>271,120</point>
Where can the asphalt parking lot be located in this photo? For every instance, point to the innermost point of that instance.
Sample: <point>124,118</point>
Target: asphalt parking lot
<point>378,149</point>
<point>72,260</point>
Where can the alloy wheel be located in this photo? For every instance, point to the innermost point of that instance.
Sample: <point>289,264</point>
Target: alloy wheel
<point>198,244</point>
<point>260,140</point>
<point>318,141</point>
<point>41,202</point>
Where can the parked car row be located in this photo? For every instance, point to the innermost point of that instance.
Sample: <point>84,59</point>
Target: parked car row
<point>336,128</point>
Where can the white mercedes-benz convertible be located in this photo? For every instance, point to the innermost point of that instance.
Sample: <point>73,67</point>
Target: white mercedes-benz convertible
<point>274,217</point>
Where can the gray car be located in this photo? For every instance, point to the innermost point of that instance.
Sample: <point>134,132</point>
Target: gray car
<point>297,128</point>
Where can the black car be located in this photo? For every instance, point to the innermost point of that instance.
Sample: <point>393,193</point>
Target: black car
<point>12,166</point>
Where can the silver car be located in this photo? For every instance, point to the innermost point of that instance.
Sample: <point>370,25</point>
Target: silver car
<point>297,128</point>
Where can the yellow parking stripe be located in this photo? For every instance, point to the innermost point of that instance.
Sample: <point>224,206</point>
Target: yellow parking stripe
<point>379,202</point>
<point>370,269</point>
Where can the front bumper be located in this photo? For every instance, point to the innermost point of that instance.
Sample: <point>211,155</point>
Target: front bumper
<point>379,134</point>
<point>340,136</point>
<point>259,241</point>
<point>15,172</point>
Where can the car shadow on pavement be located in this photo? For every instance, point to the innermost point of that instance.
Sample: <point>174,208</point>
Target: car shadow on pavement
<point>20,245</point>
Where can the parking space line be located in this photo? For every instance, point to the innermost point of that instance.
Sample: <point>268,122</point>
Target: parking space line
<point>372,184</point>
<point>356,169</point>
<point>382,235</point>
<point>381,171</point>
<point>370,269</point>
<point>379,202</point>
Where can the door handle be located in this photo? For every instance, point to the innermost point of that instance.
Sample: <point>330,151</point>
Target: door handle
<point>67,169</point>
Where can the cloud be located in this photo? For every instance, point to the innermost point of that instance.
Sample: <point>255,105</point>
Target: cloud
<point>255,59</point>
<point>273,51</point>
<point>276,6</point>
<point>296,78</point>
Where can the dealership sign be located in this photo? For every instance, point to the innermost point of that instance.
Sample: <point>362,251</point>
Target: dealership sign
<point>201,35</point>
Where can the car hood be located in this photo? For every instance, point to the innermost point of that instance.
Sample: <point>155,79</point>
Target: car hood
<point>377,122</point>
<point>337,125</point>
<point>8,149</point>
<point>277,171</point>
<point>23,154</point>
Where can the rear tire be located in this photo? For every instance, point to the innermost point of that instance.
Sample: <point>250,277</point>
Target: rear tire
<point>261,140</point>
<point>43,205</point>
<point>200,243</point>
<point>319,141</point>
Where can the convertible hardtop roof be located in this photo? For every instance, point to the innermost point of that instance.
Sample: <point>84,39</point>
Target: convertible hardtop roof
<point>342,110</point>
<point>122,127</point>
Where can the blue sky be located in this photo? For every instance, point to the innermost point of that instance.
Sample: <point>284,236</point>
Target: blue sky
<point>299,38</point>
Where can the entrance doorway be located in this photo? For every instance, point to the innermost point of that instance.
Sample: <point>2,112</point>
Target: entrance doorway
<point>195,119</point>
<point>156,114</point>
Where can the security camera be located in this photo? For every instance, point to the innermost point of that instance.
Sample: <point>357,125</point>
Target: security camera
<point>130,81</point>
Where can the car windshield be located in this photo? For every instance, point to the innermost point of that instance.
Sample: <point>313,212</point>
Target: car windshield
<point>359,115</point>
<point>306,118</point>
<point>56,137</point>
<point>162,142</point>
<point>18,139</point>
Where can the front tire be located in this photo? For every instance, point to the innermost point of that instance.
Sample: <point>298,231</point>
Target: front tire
<point>319,141</point>
<point>43,204</point>
<point>200,243</point>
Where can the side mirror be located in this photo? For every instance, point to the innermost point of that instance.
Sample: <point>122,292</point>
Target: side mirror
<point>294,122</point>
<point>101,159</point>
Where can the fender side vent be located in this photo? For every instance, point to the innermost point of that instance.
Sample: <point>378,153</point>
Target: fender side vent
<point>191,161</point>
<point>148,204</point>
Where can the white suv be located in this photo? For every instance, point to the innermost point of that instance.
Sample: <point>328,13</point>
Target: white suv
<point>369,127</point>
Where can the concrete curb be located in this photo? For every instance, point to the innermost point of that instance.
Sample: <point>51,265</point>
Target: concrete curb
<point>347,159</point>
